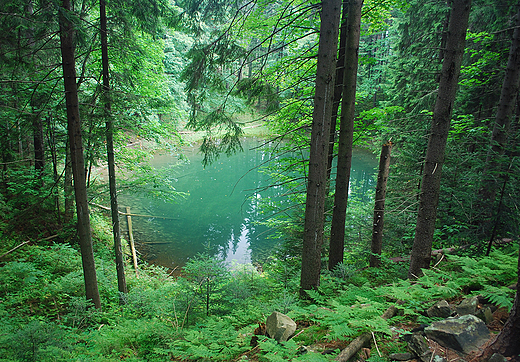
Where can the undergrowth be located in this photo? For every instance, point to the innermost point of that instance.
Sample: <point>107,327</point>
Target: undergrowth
<point>210,313</point>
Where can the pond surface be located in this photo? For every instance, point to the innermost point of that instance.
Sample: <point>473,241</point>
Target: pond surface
<point>220,212</point>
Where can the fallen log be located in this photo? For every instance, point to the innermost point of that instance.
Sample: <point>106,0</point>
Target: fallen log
<point>363,339</point>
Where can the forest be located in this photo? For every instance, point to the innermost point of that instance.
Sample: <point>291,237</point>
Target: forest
<point>90,91</point>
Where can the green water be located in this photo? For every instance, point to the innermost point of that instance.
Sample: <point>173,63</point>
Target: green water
<point>221,209</point>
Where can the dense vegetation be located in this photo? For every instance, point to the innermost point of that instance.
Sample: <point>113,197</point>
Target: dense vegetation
<point>144,72</point>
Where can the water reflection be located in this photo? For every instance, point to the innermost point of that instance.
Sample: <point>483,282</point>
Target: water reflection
<point>221,208</point>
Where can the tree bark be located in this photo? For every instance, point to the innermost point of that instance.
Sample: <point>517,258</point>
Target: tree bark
<point>68,188</point>
<point>346,134</point>
<point>506,343</point>
<point>120,266</point>
<point>338,89</point>
<point>67,35</point>
<point>317,179</point>
<point>493,172</point>
<point>379,207</point>
<point>431,180</point>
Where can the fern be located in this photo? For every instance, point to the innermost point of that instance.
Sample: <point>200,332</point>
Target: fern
<point>500,296</point>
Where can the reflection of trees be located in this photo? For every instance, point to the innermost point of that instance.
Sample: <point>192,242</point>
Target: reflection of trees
<point>224,198</point>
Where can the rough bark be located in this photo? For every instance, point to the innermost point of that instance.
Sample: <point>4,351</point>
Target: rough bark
<point>67,34</point>
<point>338,89</point>
<point>431,180</point>
<point>317,179</point>
<point>346,134</point>
<point>506,343</point>
<point>68,188</point>
<point>120,267</point>
<point>379,207</point>
<point>493,173</point>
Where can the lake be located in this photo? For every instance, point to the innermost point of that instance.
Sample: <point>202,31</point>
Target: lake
<point>220,212</point>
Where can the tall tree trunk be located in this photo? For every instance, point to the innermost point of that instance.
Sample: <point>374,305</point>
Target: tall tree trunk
<point>68,188</point>
<point>492,176</point>
<point>120,267</point>
<point>431,180</point>
<point>346,134</point>
<point>317,180</point>
<point>379,207</point>
<point>37,123</point>
<point>338,89</point>
<point>67,35</point>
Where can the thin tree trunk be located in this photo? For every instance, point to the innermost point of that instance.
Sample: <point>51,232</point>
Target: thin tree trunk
<point>338,89</point>
<point>37,124</point>
<point>431,180</point>
<point>346,134</point>
<point>317,179</point>
<point>68,188</point>
<point>379,207</point>
<point>67,35</point>
<point>120,267</point>
<point>494,164</point>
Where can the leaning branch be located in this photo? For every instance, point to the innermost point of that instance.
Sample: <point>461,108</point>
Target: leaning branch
<point>26,242</point>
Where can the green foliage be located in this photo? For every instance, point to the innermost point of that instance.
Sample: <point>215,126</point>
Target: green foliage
<point>215,340</point>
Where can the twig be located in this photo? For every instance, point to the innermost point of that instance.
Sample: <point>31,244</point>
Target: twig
<point>26,242</point>
<point>375,343</point>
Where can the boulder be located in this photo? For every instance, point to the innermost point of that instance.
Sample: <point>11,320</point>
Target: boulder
<point>418,345</point>
<point>467,306</point>
<point>440,309</point>
<point>280,327</point>
<point>463,334</point>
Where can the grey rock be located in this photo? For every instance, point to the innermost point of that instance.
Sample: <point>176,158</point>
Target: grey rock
<point>438,358</point>
<point>485,314</point>
<point>440,309</point>
<point>463,334</point>
<point>280,327</point>
<point>400,356</point>
<point>497,357</point>
<point>467,306</point>
<point>419,347</point>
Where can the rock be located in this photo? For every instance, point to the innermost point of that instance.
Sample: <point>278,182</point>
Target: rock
<point>438,358</point>
<point>280,327</point>
<point>463,334</point>
<point>419,347</point>
<point>440,309</point>
<point>485,314</point>
<point>400,356</point>
<point>467,306</point>
<point>497,357</point>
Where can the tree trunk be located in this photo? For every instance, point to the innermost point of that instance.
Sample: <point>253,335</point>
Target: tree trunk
<point>507,340</point>
<point>492,176</point>
<point>68,188</point>
<point>317,179</point>
<point>431,180</point>
<point>67,34</point>
<point>338,90</point>
<point>346,134</point>
<point>120,267</point>
<point>379,207</point>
